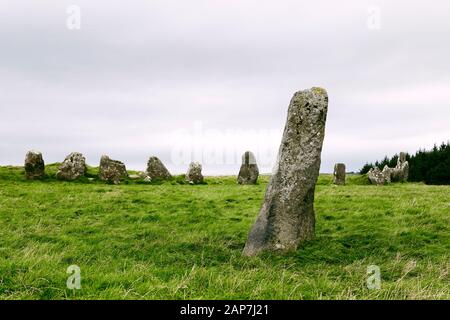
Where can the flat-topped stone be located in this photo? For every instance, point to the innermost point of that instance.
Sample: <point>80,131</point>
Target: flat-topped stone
<point>339,174</point>
<point>34,165</point>
<point>249,172</point>
<point>112,170</point>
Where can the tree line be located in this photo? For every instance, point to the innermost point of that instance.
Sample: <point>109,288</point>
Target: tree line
<point>431,167</point>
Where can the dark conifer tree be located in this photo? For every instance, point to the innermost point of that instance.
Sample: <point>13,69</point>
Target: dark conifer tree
<point>431,167</point>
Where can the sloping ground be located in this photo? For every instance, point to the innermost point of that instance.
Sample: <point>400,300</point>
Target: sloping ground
<point>176,241</point>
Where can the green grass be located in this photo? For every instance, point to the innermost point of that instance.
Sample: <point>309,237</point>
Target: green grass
<point>176,241</point>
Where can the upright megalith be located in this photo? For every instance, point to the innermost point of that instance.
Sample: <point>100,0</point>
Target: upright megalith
<point>157,170</point>
<point>73,167</point>
<point>286,218</point>
<point>112,170</point>
<point>34,165</point>
<point>401,171</point>
<point>248,174</point>
<point>339,174</point>
<point>194,173</point>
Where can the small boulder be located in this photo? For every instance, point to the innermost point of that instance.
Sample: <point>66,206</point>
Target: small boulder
<point>134,177</point>
<point>34,165</point>
<point>248,174</point>
<point>339,174</point>
<point>73,167</point>
<point>112,170</point>
<point>144,176</point>
<point>378,177</point>
<point>194,174</point>
<point>157,170</point>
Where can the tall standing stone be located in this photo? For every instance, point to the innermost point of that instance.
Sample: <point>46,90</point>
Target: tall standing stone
<point>401,171</point>
<point>34,165</point>
<point>112,170</point>
<point>194,173</point>
<point>248,174</point>
<point>157,170</point>
<point>73,167</point>
<point>339,174</point>
<point>287,218</point>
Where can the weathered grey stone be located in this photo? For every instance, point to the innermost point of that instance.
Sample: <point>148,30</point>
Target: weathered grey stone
<point>144,176</point>
<point>401,171</point>
<point>34,165</point>
<point>73,167</point>
<point>140,175</point>
<point>194,173</point>
<point>287,218</point>
<point>112,170</point>
<point>339,174</point>
<point>248,174</point>
<point>398,174</point>
<point>378,177</point>
<point>157,170</point>
<point>387,174</point>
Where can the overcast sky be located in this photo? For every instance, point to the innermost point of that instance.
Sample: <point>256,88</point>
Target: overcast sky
<point>208,80</point>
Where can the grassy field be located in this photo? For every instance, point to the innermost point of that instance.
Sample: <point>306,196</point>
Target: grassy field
<point>176,241</point>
